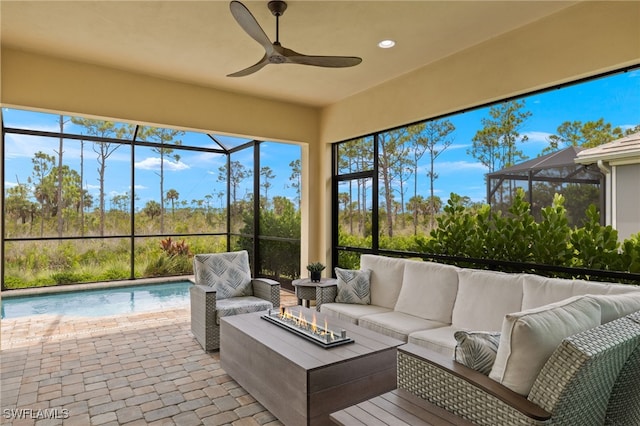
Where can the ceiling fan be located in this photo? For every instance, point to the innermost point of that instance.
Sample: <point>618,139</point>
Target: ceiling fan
<point>275,53</point>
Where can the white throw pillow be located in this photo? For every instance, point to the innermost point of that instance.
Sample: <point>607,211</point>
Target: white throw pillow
<point>428,290</point>
<point>528,339</point>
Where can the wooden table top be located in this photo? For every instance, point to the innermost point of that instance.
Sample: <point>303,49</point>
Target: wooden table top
<point>307,354</point>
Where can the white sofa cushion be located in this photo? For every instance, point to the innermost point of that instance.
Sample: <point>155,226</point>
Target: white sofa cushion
<point>386,278</point>
<point>397,324</point>
<point>529,338</point>
<point>441,339</point>
<point>428,290</point>
<point>540,291</point>
<point>350,312</point>
<point>614,306</point>
<point>484,298</point>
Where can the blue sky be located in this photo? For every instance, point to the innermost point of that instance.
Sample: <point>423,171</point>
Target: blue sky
<point>194,175</point>
<point>616,99</point>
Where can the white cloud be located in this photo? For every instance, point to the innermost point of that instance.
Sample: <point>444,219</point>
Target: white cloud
<point>458,146</point>
<point>153,163</point>
<point>457,166</point>
<point>539,137</point>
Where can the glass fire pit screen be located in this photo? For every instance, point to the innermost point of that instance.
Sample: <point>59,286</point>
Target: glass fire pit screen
<point>307,328</point>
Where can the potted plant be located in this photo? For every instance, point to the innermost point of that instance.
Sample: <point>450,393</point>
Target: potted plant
<point>315,269</point>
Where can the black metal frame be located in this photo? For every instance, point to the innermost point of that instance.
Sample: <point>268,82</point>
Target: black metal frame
<point>477,262</point>
<point>256,237</point>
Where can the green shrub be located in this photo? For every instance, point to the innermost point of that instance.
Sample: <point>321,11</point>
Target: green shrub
<point>69,277</point>
<point>12,282</point>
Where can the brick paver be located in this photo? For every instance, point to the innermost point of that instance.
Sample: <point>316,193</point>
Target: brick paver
<point>136,369</point>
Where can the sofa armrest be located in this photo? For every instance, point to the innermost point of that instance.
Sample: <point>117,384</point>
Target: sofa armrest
<point>325,293</point>
<point>267,289</point>
<point>463,391</point>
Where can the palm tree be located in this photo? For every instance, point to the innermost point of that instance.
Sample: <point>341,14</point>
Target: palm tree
<point>173,196</point>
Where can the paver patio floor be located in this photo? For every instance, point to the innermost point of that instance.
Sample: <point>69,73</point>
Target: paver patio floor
<point>136,369</point>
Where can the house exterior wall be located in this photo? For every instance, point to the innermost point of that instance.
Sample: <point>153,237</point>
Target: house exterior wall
<point>626,200</point>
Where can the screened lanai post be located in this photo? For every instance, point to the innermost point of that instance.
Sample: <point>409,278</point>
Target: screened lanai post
<point>530,181</point>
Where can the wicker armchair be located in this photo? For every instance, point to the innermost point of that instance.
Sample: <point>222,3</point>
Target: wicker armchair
<point>591,379</point>
<point>223,287</point>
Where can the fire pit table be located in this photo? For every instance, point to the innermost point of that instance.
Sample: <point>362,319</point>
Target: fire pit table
<point>298,380</point>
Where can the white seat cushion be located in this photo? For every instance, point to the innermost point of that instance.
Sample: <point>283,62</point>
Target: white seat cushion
<point>428,290</point>
<point>529,338</point>
<point>350,312</point>
<point>484,298</point>
<point>440,340</point>
<point>396,324</point>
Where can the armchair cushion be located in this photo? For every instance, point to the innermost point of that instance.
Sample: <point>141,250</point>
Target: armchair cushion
<point>529,338</point>
<point>353,286</point>
<point>240,305</point>
<point>228,273</point>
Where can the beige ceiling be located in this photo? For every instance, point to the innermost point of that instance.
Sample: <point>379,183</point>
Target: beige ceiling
<point>199,42</point>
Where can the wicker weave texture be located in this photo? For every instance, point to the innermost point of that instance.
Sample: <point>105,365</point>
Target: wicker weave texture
<point>597,356</point>
<point>624,402</point>
<point>456,395</point>
<point>203,314</point>
<point>267,289</point>
<point>574,385</point>
<point>203,308</point>
<point>325,294</point>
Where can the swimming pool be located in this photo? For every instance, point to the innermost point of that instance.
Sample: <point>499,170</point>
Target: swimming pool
<point>102,302</point>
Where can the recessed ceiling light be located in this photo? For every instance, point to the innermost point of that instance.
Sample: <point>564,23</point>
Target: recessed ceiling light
<point>386,44</point>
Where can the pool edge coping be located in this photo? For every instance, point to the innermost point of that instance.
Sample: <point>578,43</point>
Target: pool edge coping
<point>36,291</point>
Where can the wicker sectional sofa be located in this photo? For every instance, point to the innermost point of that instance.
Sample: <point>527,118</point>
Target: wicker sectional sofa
<point>425,303</point>
<point>568,353</point>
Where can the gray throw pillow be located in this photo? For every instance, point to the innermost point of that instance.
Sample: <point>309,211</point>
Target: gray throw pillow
<point>477,349</point>
<point>353,286</point>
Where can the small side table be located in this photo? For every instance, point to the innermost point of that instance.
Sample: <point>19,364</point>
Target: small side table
<point>306,290</point>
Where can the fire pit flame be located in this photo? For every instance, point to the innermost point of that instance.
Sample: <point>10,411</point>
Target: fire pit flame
<point>308,329</point>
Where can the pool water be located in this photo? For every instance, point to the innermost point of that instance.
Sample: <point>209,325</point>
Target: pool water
<point>103,302</point>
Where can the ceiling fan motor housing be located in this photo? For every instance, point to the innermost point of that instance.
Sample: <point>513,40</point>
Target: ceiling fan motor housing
<point>277,7</point>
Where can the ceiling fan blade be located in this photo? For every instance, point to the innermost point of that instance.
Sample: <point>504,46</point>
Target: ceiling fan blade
<point>325,61</point>
<point>250,25</point>
<point>253,68</point>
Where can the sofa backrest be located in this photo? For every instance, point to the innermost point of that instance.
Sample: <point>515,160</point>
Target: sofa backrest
<point>484,298</point>
<point>539,291</point>
<point>428,290</point>
<point>386,278</point>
